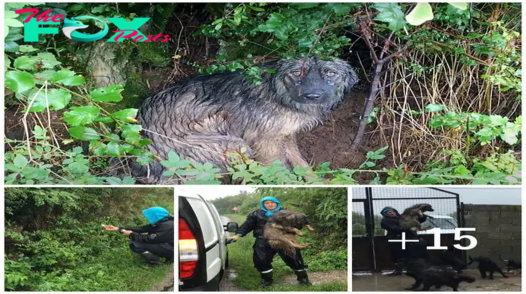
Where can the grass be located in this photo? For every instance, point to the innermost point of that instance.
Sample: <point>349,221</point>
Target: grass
<point>248,278</point>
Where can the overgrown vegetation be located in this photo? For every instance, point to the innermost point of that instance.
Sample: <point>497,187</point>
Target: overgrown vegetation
<point>326,209</point>
<point>54,240</point>
<point>447,110</point>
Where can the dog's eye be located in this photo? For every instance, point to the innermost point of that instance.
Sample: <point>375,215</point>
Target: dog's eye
<point>296,73</point>
<point>330,73</point>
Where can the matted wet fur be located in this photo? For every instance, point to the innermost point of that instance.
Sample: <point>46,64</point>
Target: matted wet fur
<point>450,258</point>
<point>438,276</point>
<point>281,230</point>
<point>208,118</point>
<point>410,217</point>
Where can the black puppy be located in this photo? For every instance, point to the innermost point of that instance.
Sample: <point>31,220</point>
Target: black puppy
<point>449,257</point>
<point>438,276</point>
<point>512,264</point>
<point>486,265</point>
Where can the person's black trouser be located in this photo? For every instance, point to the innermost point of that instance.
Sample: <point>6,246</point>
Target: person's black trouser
<point>161,250</point>
<point>263,255</point>
<point>397,254</point>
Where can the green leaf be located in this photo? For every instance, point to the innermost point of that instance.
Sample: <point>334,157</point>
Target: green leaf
<point>14,23</point>
<point>10,46</point>
<point>391,13</point>
<point>57,99</point>
<point>104,119</point>
<point>81,115</point>
<point>420,14</point>
<point>19,81</point>
<point>27,48</point>
<point>83,133</point>
<point>67,77</point>
<point>145,158</point>
<point>48,60</point>
<point>20,161</point>
<point>45,75</point>
<point>340,8</point>
<point>126,115</point>
<point>107,94</point>
<point>26,62</point>
<point>459,5</point>
<point>40,133</point>
<point>113,149</point>
<point>435,107</point>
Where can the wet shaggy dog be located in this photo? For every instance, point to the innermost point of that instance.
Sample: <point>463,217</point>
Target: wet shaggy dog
<point>438,276</point>
<point>210,118</point>
<point>411,215</point>
<point>486,265</point>
<point>512,264</point>
<point>281,230</point>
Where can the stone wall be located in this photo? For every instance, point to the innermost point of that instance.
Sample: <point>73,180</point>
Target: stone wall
<point>498,231</point>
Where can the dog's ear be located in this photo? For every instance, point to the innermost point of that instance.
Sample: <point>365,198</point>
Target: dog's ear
<point>352,78</point>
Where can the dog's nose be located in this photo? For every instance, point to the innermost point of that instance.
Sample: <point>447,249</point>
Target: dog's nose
<point>312,96</point>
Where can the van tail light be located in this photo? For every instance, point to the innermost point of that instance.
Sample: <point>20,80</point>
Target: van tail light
<point>188,253</point>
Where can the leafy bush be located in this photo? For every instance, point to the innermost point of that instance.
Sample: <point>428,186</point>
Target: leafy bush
<point>54,240</point>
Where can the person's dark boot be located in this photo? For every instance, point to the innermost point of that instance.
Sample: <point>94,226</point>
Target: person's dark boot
<point>152,258</point>
<point>303,278</point>
<point>267,279</point>
<point>398,270</point>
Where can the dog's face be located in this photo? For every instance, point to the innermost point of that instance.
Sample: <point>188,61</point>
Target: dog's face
<point>313,81</point>
<point>426,207</point>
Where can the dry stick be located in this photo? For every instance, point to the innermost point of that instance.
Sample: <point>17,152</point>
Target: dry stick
<point>24,121</point>
<point>375,86</point>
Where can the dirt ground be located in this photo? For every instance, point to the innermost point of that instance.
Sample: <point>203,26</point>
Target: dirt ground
<point>167,285</point>
<point>315,278</point>
<point>332,140</point>
<point>379,282</point>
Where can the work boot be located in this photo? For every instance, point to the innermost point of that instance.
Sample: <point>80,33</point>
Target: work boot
<point>152,258</point>
<point>267,280</point>
<point>398,270</point>
<point>303,279</point>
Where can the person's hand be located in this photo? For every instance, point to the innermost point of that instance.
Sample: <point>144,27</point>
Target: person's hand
<point>233,238</point>
<point>126,233</point>
<point>110,228</point>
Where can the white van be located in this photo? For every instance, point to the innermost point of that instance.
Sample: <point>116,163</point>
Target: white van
<point>446,223</point>
<point>203,256</point>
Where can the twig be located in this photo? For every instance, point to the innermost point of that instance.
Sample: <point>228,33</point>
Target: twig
<point>379,62</point>
<point>24,120</point>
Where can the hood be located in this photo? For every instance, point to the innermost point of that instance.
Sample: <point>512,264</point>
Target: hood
<point>269,213</point>
<point>155,214</point>
<point>388,208</point>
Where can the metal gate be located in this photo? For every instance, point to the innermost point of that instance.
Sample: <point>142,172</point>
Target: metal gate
<point>369,245</point>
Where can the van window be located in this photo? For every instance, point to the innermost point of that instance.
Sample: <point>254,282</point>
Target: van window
<point>206,221</point>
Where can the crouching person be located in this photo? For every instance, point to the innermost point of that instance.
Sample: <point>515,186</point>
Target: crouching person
<point>153,241</point>
<point>263,253</point>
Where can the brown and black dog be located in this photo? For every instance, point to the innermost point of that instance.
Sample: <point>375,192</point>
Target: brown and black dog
<point>411,215</point>
<point>281,230</point>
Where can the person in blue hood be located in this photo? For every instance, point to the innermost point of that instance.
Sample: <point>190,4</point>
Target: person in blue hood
<point>263,253</point>
<point>153,241</point>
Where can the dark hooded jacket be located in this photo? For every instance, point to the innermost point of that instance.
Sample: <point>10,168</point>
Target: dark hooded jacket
<point>392,224</point>
<point>160,230</point>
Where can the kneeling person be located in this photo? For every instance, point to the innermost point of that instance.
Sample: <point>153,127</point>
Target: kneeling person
<point>152,241</point>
